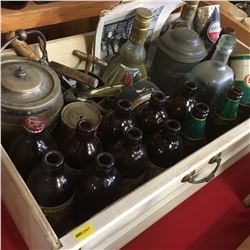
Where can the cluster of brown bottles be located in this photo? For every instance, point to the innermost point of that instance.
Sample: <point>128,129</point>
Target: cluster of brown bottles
<point>97,166</point>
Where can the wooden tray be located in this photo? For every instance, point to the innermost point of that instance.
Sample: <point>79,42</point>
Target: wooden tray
<point>119,223</point>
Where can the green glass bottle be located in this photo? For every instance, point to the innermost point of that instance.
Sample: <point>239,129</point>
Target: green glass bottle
<point>224,114</point>
<point>128,65</point>
<point>240,63</point>
<point>194,129</point>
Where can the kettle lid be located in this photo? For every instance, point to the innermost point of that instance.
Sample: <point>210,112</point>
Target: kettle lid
<point>27,85</point>
<point>182,44</point>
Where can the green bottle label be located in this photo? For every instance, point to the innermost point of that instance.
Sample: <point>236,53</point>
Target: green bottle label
<point>245,87</point>
<point>227,109</point>
<point>194,128</point>
<point>57,214</point>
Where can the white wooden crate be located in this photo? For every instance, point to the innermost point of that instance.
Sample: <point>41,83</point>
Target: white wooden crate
<point>125,219</point>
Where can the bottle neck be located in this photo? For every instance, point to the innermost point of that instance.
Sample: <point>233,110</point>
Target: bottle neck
<point>134,136</point>
<point>187,16</point>
<point>194,128</point>
<point>189,89</point>
<point>85,130</point>
<point>157,100</point>
<point>123,108</point>
<point>220,57</point>
<point>53,162</point>
<point>33,134</point>
<point>172,127</point>
<point>225,30</point>
<point>105,163</point>
<point>81,137</point>
<point>227,109</point>
<point>223,50</point>
<point>140,26</point>
<point>138,36</point>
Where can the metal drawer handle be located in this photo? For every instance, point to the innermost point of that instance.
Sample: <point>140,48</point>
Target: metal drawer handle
<point>191,177</point>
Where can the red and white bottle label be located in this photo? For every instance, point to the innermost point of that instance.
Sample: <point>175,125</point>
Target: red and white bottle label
<point>213,31</point>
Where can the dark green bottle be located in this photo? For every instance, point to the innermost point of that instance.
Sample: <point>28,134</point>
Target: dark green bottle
<point>194,129</point>
<point>224,114</point>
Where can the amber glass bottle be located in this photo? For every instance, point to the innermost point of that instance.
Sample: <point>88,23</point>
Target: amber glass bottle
<point>131,159</point>
<point>53,188</point>
<point>27,149</point>
<point>116,123</point>
<point>165,148</point>
<point>224,115</point>
<point>101,189</point>
<point>82,149</point>
<point>180,106</point>
<point>193,133</point>
<point>150,115</point>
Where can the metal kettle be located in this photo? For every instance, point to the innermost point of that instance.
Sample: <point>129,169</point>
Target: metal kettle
<point>178,51</point>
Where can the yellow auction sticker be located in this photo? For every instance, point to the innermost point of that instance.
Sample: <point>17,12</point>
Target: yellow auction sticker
<point>83,232</point>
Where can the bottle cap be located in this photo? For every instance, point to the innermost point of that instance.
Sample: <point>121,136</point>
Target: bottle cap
<point>140,26</point>
<point>34,124</point>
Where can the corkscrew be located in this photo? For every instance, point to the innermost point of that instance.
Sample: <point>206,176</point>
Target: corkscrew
<point>17,40</point>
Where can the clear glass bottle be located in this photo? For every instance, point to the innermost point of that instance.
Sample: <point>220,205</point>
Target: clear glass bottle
<point>187,15</point>
<point>128,64</point>
<point>214,76</point>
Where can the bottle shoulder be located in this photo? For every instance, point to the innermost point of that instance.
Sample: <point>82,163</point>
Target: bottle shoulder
<point>55,188</point>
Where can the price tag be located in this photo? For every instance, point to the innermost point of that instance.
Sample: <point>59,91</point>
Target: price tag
<point>83,232</point>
